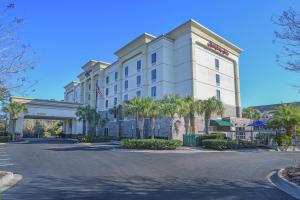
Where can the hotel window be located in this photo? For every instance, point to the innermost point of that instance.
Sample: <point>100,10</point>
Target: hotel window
<point>138,65</point>
<point>116,89</point>
<point>126,85</point>
<point>116,76</point>
<point>89,97</point>
<point>218,79</point>
<point>138,93</point>
<point>217,64</point>
<point>115,101</point>
<point>107,79</point>
<point>89,86</point>
<point>106,91</point>
<point>106,104</point>
<point>153,92</point>
<point>218,94</point>
<point>126,71</point>
<point>153,75</point>
<point>153,58</point>
<point>138,81</point>
<point>125,97</point>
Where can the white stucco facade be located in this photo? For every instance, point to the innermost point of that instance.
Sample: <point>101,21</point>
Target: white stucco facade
<point>188,60</point>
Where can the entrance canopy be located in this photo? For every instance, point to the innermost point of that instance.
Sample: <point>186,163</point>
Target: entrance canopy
<point>220,122</point>
<point>48,109</point>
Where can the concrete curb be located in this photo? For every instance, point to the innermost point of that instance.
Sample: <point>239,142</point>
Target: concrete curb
<point>9,180</point>
<point>276,178</point>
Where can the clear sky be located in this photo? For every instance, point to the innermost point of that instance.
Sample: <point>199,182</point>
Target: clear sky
<point>66,34</point>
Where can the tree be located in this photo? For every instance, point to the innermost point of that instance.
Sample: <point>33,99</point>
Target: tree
<point>211,106</point>
<point>99,120</point>
<point>286,116</point>
<point>15,109</point>
<point>154,113</point>
<point>81,114</point>
<point>118,114</point>
<point>15,56</point>
<point>132,108</point>
<point>289,38</point>
<point>184,111</point>
<point>251,113</point>
<point>195,107</point>
<point>171,108</point>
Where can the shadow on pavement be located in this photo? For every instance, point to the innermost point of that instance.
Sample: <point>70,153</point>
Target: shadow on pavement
<point>50,141</point>
<point>83,148</point>
<point>115,187</point>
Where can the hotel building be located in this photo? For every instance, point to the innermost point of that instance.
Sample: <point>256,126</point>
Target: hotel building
<point>188,60</point>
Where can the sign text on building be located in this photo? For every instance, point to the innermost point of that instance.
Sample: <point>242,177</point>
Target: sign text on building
<point>217,48</point>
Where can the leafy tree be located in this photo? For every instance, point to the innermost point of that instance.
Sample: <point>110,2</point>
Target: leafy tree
<point>170,108</point>
<point>211,106</point>
<point>15,109</point>
<point>99,120</point>
<point>251,113</point>
<point>16,57</point>
<point>88,115</point>
<point>289,38</point>
<point>286,116</point>
<point>81,114</point>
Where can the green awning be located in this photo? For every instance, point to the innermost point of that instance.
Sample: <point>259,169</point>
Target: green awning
<point>219,123</point>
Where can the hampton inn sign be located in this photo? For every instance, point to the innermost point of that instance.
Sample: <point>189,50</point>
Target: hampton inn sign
<point>217,48</point>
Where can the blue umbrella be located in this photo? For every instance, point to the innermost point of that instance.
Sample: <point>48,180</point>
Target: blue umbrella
<point>257,124</point>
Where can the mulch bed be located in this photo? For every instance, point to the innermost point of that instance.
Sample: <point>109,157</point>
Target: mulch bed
<point>292,174</point>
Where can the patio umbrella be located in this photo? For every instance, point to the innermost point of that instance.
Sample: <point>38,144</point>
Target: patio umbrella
<point>257,124</point>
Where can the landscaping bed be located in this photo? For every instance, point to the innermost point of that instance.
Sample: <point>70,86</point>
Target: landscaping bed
<point>223,144</point>
<point>94,139</point>
<point>152,144</point>
<point>292,174</point>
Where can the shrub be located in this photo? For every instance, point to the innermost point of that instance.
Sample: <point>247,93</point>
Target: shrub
<point>154,144</point>
<point>4,139</point>
<point>96,138</point>
<point>245,144</point>
<point>211,136</point>
<point>283,140</point>
<point>220,144</point>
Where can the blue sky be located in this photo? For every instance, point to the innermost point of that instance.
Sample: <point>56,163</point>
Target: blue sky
<point>66,34</point>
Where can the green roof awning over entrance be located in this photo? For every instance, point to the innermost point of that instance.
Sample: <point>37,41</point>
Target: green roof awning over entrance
<point>219,123</point>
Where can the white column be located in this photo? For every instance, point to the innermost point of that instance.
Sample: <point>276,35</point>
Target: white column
<point>19,126</point>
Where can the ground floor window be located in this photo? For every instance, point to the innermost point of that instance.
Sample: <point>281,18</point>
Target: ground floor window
<point>105,131</point>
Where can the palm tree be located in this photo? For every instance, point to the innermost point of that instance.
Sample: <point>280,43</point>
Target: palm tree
<point>99,120</point>
<point>211,106</point>
<point>171,107</point>
<point>132,108</point>
<point>154,113</point>
<point>15,109</point>
<point>195,107</point>
<point>286,116</point>
<point>87,114</point>
<point>81,114</point>
<point>118,113</point>
<point>251,113</point>
<point>184,111</point>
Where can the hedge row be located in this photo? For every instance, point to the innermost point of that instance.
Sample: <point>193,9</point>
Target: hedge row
<point>92,139</point>
<point>154,144</point>
<point>221,136</point>
<point>222,144</point>
<point>4,139</point>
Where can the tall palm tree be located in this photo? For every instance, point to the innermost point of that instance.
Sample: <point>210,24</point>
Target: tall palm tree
<point>184,111</point>
<point>87,114</point>
<point>118,113</point>
<point>286,116</point>
<point>81,114</point>
<point>211,106</point>
<point>171,107</point>
<point>154,113</point>
<point>132,108</point>
<point>15,109</point>
<point>99,120</point>
<point>195,107</point>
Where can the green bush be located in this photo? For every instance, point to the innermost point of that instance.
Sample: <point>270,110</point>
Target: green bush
<point>92,139</point>
<point>283,140</point>
<point>154,144</point>
<point>221,136</point>
<point>220,144</point>
<point>4,139</point>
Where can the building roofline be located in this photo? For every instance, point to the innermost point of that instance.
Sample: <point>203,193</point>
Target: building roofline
<point>70,83</point>
<point>135,39</point>
<point>206,30</point>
